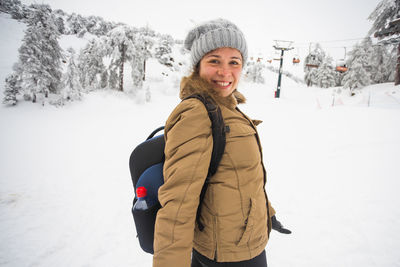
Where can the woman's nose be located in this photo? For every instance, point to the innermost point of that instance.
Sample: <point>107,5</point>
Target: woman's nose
<point>223,71</point>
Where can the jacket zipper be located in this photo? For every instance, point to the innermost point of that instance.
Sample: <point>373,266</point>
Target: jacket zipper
<point>262,163</point>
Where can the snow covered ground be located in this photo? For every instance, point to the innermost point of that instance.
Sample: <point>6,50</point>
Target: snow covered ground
<point>333,173</point>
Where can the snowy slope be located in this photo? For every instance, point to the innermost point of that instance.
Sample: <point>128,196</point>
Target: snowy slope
<point>65,189</point>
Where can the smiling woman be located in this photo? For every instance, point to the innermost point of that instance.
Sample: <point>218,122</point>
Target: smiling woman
<point>222,68</point>
<point>235,216</point>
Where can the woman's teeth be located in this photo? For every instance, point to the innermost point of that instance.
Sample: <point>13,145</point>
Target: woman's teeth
<point>223,83</point>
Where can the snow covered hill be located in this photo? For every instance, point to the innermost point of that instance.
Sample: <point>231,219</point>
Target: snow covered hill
<point>332,163</point>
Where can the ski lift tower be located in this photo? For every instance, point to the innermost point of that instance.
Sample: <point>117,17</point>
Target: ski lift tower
<point>282,46</point>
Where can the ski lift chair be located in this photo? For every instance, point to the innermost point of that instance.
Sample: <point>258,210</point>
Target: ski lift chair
<point>341,66</point>
<point>312,65</point>
<point>296,60</point>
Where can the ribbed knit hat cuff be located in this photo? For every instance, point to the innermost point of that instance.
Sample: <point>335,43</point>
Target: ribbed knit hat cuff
<point>221,37</point>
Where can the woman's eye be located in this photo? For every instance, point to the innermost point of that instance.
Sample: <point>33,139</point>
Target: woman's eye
<point>214,61</point>
<point>234,63</point>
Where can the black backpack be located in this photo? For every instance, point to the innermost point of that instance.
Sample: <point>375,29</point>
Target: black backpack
<point>146,162</point>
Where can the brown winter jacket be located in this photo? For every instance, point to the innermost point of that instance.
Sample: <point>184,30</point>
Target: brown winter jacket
<point>234,212</point>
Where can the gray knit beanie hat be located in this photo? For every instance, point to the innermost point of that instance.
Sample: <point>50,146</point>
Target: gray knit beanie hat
<point>212,35</point>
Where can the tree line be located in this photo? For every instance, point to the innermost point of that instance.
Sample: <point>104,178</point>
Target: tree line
<point>44,69</point>
<point>368,63</point>
<point>40,70</point>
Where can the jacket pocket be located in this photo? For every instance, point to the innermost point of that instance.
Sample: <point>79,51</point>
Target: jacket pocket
<point>240,129</point>
<point>249,224</point>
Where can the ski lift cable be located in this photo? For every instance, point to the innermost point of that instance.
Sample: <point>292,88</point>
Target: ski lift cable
<point>332,41</point>
<point>325,47</point>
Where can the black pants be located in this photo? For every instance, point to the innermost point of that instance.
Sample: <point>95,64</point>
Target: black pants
<point>199,260</point>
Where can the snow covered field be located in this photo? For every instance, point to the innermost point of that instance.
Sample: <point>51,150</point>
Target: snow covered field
<point>333,173</point>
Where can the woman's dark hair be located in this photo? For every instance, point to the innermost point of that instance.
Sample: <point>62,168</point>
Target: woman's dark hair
<point>196,68</point>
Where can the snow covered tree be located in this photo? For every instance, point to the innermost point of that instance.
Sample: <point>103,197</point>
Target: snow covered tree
<point>338,78</point>
<point>367,47</point>
<point>254,71</point>
<point>356,77</point>
<point>380,69</point>
<point>72,88</point>
<point>12,7</point>
<point>97,26</point>
<point>325,75</point>
<point>386,22</point>
<point>59,20</point>
<point>7,5</point>
<point>113,77</point>
<point>138,72</point>
<point>77,24</point>
<point>104,79</point>
<point>358,74</point>
<point>392,62</point>
<point>91,64</point>
<point>144,41</point>
<point>385,11</point>
<point>121,48</point>
<point>312,61</point>
<point>40,54</point>
<point>11,89</point>
<point>310,76</point>
<point>163,50</point>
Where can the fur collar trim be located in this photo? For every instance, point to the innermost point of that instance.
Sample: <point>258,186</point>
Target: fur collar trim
<point>193,84</point>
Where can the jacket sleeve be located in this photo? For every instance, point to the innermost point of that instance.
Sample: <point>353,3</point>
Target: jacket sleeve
<point>188,151</point>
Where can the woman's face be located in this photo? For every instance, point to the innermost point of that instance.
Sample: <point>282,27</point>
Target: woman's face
<point>222,68</point>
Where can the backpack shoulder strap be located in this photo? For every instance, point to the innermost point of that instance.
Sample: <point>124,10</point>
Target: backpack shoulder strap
<point>219,141</point>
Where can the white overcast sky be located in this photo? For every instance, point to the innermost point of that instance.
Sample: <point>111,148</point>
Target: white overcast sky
<point>262,21</point>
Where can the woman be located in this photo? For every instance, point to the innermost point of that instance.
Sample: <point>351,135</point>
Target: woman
<point>235,211</point>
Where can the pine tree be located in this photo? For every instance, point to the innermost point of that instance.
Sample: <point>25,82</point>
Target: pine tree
<point>357,77</point>
<point>163,50</point>
<point>379,67</point>
<point>391,63</point>
<point>359,65</point>
<point>144,41</point>
<point>121,48</point>
<point>76,24</point>
<point>386,12</point>
<point>12,7</point>
<point>338,78</point>
<point>59,20</point>
<point>72,87</point>
<point>11,89</point>
<point>312,61</point>
<point>325,75</point>
<point>113,77</point>
<point>7,5</point>
<point>310,76</point>
<point>104,79</point>
<point>91,64</point>
<point>254,71</point>
<point>367,46</point>
<point>40,54</point>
